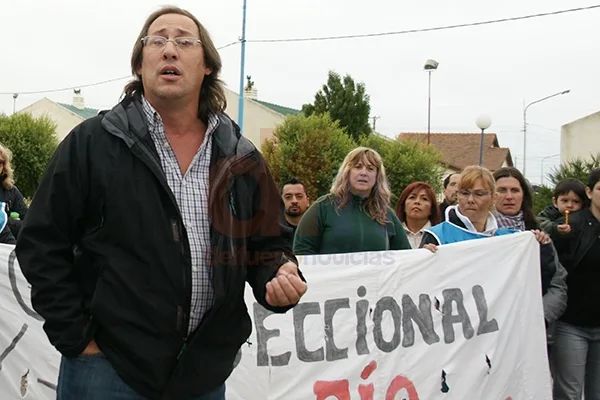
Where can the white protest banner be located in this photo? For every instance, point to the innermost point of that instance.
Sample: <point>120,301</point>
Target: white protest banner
<point>28,363</point>
<point>464,323</point>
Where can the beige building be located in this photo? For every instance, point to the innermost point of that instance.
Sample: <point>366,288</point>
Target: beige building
<point>260,117</point>
<point>66,116</point>
<point>580,138</point>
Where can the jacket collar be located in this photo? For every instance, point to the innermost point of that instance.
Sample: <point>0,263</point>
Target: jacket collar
<point>126,121</point>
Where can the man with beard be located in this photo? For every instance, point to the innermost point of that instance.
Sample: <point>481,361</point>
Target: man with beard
<point>450,190</point>
<point>295,201</point>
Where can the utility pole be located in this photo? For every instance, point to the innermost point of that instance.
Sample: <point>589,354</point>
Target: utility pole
<point>375,118</point>
<point>242,65</point>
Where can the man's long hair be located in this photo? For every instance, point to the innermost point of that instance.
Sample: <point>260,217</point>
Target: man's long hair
<point>378,201</point>
<point>212,94</point>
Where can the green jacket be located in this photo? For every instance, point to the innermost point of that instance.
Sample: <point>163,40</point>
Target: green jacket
<point>325,230</point>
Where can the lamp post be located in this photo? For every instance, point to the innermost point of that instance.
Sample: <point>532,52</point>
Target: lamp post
<point>544,159</point>
<point>525,125</point>
<point>430,66</point>
<point>15,95</point>
<point>483,122</point>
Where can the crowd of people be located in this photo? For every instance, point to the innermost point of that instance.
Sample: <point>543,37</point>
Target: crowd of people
<point>152,216</point>
<point>357,215</point>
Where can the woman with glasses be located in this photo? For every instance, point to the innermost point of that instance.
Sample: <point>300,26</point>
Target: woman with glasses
<point>472,217</point>
<point>356,215</point>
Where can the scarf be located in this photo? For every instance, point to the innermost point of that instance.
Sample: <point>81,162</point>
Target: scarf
<point>511,221</point>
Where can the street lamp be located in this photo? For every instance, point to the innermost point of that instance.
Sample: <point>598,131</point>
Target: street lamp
<point>525,124</point>
<point>15,95</point>
<point>430,66</point>
<point>483,122</point>
<point>543,159</point>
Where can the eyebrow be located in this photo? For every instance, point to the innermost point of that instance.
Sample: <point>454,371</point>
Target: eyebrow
<point>179,32</point>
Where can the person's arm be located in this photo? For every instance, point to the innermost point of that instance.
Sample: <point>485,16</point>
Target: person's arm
<point>45,247</point>
<point>428,238</point>
<point>18,203</point>
<point>271,243</point>
<point>307,240</point>
<point>398,241</point>
<point>548,226</point>
<point>555,300</point>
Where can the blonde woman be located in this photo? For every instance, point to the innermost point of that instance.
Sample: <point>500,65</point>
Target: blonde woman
<point>355,216</point>
<point>9,193</point>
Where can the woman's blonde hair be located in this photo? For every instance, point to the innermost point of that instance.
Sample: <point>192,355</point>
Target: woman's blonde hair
<point>378,201</point>
<point>470,175</point>
<point>6,155</point>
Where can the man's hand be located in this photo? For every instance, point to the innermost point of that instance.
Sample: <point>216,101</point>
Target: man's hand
<point>564,229</point>
<point>91,349</point>
<point>286,288</point>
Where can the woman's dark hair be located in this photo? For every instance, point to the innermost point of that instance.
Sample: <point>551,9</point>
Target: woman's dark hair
<point>529,218</point>
<point>593,178</point>
<point>435,217</point>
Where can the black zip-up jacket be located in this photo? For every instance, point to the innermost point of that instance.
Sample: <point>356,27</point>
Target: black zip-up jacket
<point>574,246</point>
<point>106,252</point>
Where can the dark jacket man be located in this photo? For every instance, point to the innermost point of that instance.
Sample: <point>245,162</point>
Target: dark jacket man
<point>127,285</point>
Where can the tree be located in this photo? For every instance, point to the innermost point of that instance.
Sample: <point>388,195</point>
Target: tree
<point>542,198</point>
<point>406,162</point>
<point>577,168</point>
<point>346,102</point>
<point>32,142</point>
<point>309,148</point>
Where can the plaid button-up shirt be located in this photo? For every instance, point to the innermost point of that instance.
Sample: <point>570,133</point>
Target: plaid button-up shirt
<point>191,192</point>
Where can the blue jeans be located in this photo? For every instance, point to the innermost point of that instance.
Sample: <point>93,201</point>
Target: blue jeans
<point>93,378</point>
<point>576,362</point>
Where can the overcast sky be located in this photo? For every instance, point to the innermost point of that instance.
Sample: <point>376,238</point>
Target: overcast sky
<point>488,69</point>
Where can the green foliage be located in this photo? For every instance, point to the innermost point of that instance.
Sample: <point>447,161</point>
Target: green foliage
<point>346,102</point>
<point>32,142</point>
<point>309,148</point>
<point>542,198</point>
<point>407,162</point>
<point>578,168</point>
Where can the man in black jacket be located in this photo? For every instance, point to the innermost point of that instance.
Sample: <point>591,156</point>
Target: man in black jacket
<point>148,222</point>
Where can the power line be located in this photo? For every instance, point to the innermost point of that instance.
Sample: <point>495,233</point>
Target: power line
<point>438,28</point>
<point>90,84</point>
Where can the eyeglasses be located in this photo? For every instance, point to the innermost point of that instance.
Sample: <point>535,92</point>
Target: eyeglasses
<point>477,194</point>
<point>159,42</point>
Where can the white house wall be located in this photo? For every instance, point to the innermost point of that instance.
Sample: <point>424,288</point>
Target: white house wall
<point>581,138</point>
<point>64,119</point>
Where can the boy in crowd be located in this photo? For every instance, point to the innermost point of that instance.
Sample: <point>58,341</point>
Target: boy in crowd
<point>569,196</point>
